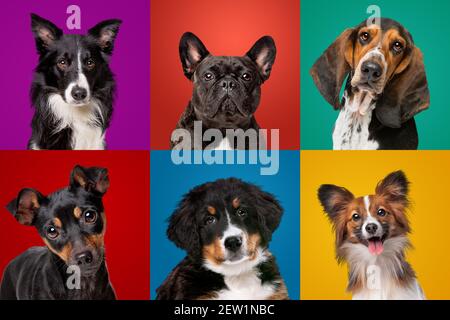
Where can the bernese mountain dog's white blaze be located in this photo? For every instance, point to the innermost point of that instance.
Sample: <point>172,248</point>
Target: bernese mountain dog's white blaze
<point>225,226</point>
<point>371,237</point>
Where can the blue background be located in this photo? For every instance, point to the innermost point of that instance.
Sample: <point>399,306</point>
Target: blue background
<point>170,182</point>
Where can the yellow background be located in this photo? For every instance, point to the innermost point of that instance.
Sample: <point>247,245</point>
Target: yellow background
<point>429,173</point>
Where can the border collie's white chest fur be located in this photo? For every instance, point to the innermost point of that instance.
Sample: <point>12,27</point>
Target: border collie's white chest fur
<point>351,131</point>
<point>87,133</point>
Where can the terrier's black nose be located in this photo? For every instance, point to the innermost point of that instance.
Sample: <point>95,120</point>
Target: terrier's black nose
<point>371,71</point>
<point>233,243</point>
<point>79,93</point>
<point>371,228</point>
<point>84,258</point>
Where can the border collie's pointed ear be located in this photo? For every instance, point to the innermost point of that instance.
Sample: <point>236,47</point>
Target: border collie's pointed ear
<point>93,179</point>
<point>406,95</point>
<point>192,52</point>
<point>395,186</point>
<point>45,33</point>
<point>105,33</point>
<point>263,53</point>
<point>25,206</point>
<point>334,199</point>
<point>269,210</point>
<point>330,70</point>
<point>183,227</point>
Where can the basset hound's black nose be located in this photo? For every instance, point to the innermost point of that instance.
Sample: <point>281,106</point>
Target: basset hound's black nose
<point>371,71</point>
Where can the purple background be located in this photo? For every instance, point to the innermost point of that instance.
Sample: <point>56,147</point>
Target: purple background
<point>129,129</point>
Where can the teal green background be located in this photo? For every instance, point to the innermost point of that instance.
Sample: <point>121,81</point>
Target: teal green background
<point>322,21</point>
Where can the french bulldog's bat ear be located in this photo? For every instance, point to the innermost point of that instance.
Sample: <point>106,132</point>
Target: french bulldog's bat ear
<point>93,179</point>
<point>25,206</point>
<point>192,52</point>
<point>105,34</point>
<point>45,33</point>
<point>263,53</point>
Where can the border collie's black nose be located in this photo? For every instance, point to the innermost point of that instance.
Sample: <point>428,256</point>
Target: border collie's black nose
<point>371,71</point>
<point>79,93</point>
<point>233,243</point>
<point>371,228</point>
<point>84,258</point>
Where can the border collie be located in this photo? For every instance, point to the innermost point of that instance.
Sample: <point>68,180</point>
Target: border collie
<point>73,87</point>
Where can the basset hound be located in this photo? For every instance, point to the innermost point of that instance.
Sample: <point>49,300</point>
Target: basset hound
<point>385,87</point>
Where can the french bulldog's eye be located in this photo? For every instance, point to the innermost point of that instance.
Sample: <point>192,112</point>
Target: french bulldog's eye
<point>208,76</point>
<point>90,63</point>
<point>210,220</point>
<point>241,212</point>
<point>381,212</point>
<point>356,217</point>
<point>246,77</point>
<point>364,36</point>
<point>90,216</point>
<point>52,233</point>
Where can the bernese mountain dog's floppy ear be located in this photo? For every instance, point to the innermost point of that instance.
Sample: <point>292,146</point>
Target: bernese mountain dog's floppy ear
<point>406,95</point>
<point>183,227</point>
<point>269,211</point>
<point>333,66</point>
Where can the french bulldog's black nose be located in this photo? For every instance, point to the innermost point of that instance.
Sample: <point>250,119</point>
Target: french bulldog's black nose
<point>84,258</point>
<point>79,93</point>
<point>371,228</point>
<point>228,85</point>
<point>233,243</point>
<point>371,71</point>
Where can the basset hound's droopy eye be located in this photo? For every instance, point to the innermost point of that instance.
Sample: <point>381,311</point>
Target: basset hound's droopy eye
<point>397,47</point>
<point>364,37</point>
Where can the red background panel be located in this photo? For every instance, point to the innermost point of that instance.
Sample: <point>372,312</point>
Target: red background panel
<point>226,27</point>
<point>127,208</point>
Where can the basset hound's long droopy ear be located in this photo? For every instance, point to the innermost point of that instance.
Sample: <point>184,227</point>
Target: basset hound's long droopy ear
<point>406,95</point>
<point>332,67</point>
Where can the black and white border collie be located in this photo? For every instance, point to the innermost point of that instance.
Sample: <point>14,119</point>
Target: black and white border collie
<point>73,87</point>
<point>225,226</point>
<point>371,236</point>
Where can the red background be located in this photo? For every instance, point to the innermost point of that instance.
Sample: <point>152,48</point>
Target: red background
<point>226,27</point>
<point>127,208</point>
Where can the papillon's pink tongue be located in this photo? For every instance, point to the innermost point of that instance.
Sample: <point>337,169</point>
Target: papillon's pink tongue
<point>375,247</point>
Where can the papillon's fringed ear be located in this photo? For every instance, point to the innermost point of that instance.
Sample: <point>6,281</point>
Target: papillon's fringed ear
<point>395,186</point>
<point>334,199</point>
<point>333,66</point>
<point>93,179</point>
<point>405,95</point>
<point>45,33</point>
<point>183,225</point>
<point>192,52</point>
<point>26,205</point>
<point>269,211</point>
<point>105,34</point>
<point>263,53</point>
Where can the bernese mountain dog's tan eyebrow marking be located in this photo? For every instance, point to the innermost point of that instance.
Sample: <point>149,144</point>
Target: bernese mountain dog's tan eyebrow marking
<point>236,203</point>
<point>212,210</point>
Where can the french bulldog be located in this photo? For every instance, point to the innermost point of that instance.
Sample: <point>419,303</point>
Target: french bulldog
<point>227,90</point>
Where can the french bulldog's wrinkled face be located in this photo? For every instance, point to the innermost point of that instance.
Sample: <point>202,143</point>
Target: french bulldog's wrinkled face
<point>226,89</point>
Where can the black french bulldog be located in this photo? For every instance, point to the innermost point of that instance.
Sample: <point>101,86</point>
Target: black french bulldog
<point>227,89</point>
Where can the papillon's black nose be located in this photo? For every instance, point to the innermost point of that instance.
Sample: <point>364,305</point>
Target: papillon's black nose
<point>84,258</point>
<point>371,228</point>
<point>78,93</point>
<point>233,243</point>
<point>371,71</point>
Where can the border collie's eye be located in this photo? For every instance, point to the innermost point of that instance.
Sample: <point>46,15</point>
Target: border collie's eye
<point>246,77</point>
<point>90,63</point>
<point>241,212</point>
<point>356,217</point>
<point>52,233</point>
<point>381,212</point>
<point>364,36</point>
<point>210,220</point>
<point>62,63</point>
<point>397,47</point>
<point>208,76</point>
<point>90,216</point>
